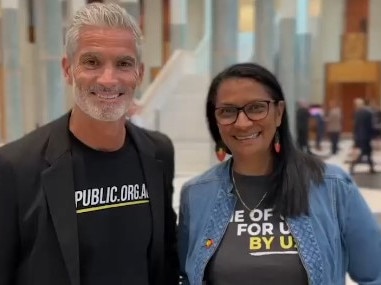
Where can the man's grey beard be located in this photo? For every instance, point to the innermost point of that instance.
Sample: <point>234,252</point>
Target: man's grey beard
<point>109,114</point>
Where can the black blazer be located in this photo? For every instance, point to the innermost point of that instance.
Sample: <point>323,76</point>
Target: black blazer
<point>38,222</point>
<point>363,125</point>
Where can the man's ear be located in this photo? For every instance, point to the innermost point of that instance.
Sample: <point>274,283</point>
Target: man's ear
<point>65,63</point>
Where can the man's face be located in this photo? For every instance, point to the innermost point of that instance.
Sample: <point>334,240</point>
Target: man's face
<point>104,72</point>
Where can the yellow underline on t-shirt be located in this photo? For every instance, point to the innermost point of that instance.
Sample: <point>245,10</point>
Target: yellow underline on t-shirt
<point>93,209</point>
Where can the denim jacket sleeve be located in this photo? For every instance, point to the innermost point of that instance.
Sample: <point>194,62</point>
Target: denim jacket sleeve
<point>362,238</point>
<point>183,235</point>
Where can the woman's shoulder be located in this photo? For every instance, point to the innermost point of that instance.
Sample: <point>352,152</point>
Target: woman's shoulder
<point>335,172</point>
<point>218,172</point>
<point>336,179</point>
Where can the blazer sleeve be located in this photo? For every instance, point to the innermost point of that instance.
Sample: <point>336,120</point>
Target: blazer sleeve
<point>9,235</point>
<point>362,237</point>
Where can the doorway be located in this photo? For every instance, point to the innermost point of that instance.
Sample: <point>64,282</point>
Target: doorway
<point>349,92</point>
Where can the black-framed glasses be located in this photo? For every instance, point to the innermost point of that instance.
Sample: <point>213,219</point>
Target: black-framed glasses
<point>254,111</point>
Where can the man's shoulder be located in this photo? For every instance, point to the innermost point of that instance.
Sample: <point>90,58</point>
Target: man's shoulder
<point>158,139</point>
<point>25,146</point>
<point>156,136</point>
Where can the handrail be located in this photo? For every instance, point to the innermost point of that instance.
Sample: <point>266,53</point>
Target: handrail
<point>161,88</point>
<point>162,76</point>
<point>180,63</point>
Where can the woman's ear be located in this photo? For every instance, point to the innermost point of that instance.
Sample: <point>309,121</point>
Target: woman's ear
<point>279,112</point>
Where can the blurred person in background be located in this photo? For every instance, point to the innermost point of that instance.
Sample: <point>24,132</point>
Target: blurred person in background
<point>302,126</point>
<point>334,125</point>
<point>86,199</point>
<point>362,135</point>
<point>317,113</point>
<point>271,214</point>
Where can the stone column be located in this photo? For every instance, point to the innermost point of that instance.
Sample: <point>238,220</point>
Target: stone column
<point>224,34</point>
<point>11,70</point>
<point>49,36</point>
<point>179,18</point>
<point>264,40</point>
<point>327,45</point>
<point>286,55</point>
<point>224,42</point>
<point>132,7</point>
<point>303,52</point>
<point>374,30</point>
<point>29,66</point>
<point>196,23</point>
<point>75,5</point>
<point>72,6</point>
<point>315,57</point>
<point>153,39</point>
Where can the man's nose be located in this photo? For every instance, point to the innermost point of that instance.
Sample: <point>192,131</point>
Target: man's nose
<point>108,76</point>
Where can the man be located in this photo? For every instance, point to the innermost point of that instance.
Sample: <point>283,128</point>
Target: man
<point>86,199</point>
<point>302,126</point>
<point>362,135</point>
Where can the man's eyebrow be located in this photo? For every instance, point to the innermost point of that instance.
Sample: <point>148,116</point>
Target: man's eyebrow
<point>89,54</point>
<point>126,58</point>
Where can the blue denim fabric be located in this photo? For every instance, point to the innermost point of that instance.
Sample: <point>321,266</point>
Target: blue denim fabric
<point>340,234</point>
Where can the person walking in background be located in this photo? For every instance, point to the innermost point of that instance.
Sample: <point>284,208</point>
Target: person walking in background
<point>334,125</point>
<point>320,127</point>
<point>362,135</point>
<point>87,199</point>
<point>302,126</point>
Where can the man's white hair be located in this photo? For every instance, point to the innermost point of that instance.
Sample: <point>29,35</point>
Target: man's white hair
<point>109,15</point>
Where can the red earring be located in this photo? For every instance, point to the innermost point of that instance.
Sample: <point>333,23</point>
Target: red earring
<point>277,142</point>
<point>221,150</point>
<point>221,153</point>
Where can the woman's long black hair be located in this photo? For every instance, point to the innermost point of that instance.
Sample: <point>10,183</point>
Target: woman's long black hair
<point>294,171</point>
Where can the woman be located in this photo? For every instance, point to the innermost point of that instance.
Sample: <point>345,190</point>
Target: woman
<point>271,214</point>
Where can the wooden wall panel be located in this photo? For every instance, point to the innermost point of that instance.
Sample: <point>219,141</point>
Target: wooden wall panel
<point>356,16</point>
<point>353,71</point>
<point>348,80</point>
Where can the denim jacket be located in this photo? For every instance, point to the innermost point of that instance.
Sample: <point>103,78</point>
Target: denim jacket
<point>339,235</point>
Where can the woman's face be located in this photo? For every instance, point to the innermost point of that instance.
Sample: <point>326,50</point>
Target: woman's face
<point>247,137</point>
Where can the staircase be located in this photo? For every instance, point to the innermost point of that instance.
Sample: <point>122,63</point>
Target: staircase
<point>175,105</point>
<point>183,119</point>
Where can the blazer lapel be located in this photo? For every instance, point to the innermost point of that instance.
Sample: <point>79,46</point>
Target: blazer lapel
<point>58,184</point>
<point>154,176</point>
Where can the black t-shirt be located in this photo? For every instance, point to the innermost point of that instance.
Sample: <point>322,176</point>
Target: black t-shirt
<point>114,218</point>
<point>257,247</point>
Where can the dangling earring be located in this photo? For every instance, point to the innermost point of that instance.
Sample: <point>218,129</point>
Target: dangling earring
<point>277,142</point>
<point>220,151</point>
